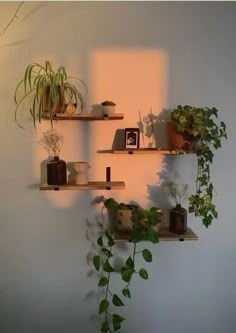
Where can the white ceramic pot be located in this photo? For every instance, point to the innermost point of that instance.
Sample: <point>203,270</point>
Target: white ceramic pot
<point>81,169</point>
<point>108,109</point>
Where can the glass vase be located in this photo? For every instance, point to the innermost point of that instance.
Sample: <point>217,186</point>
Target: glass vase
<point>178,220</point>
<point>56,171</point>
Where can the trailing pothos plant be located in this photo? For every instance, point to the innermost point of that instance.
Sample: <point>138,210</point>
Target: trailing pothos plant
<point>203,134</point>
<point>143,222</point>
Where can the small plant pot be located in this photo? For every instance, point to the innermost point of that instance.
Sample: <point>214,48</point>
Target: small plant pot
<point>175,141</point>
<point>108,110</point>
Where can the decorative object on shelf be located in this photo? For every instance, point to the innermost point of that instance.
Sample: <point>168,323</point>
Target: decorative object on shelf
<point>131,138</point>
<point>48,90</point>
<point>146,128</point>
<point>104,261</point>
<point>56,169</point>
<point>202,133</point>
<point>108,108</point>
<point>70,109</point>
<point>108,174</point>
<point>178,214</point>
<point>81,169</point>
<point>175,140</point>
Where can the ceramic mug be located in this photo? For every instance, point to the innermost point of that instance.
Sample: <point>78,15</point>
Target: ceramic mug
<point>81,169</point>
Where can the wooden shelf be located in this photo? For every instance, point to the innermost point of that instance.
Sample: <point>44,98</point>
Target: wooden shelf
<point>116,185</point>
<point>164,235</point>
<point>85,116</point>
<point>142,151</point>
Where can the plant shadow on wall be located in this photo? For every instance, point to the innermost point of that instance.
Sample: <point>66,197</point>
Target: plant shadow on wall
<point>199,131</point>
<point>119,221</point>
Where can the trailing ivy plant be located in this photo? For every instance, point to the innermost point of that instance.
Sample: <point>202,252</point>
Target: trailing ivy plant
<point>143,222</point>
<point>203,134</point>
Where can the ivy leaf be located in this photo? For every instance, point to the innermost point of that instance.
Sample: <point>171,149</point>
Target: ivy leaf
<point>126,274</point>
<point>109,238</point>
<point>129,263</point>
<point>152,236</point>
<point>104,304</point>
<point>147,255</point>
<point>117,301</point>
<point>126,292</point>
<point>100,241</point>
<point>96,262</point>
<point>107,267</point>
<point>104,327</point>
<point>116,320</point>
<point>143,274</point>
<point>137,235</point>
<point>103,282</point>
<point>107,252</point>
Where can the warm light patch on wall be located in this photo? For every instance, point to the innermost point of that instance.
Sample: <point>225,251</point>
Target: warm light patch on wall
<point>136,80</point>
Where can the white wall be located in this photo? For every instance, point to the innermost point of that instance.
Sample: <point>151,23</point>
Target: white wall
<point>142,55</point>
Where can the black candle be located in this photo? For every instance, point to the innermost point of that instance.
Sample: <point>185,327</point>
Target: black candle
<point>108,174</point>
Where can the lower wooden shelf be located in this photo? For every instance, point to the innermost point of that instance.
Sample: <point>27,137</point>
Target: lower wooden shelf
<point>117,185</point>
<point>164,235</point>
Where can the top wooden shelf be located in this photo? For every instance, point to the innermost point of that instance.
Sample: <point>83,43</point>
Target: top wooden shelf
<point>84,116</point>
<point>143,151</point>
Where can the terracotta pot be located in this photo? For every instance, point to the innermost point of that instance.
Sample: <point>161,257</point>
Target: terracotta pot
<point>60,104</point>
<point>176,141</point>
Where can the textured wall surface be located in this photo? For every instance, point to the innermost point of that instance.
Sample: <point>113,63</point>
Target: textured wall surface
<point>141,55</point>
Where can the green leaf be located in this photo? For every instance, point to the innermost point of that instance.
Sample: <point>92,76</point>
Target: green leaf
<point>107,252</point>
<point>147,255</point>
<point>129,263</point>
<point>137,235</point>
<point>109,238</point>
<point>105,327</point>
<point>117,301</point>
<point>152,236</point>
<point>126,274</point>
<point>107,267</point>
<point>126,292</point>
<point>103,282</point>
<point>100,241</point>
<point>104,304</point>
<point>116,320</point>
<point>143,274</point>
<point>96,262</point>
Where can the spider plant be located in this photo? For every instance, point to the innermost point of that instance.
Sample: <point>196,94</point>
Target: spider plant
<point>48,91</point>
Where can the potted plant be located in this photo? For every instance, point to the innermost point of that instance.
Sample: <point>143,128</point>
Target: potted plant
<point>48,91</point>
<point>108,108</point>
<point>203,133</point>
<point>142,222</point>
<point>56,169</point>
<point>178,215</point>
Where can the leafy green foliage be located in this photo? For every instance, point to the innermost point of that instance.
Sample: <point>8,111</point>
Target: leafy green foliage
<point>105,327</point>
<point>117,301</point>
<point>126,292</point>
<point>143,274</point>
<point>116,321</point>
<point>104,304</point>
<point>147,255</point>
<point>103,281</point>
<point>203,134</point>
<point>143,221</point>
<point>96,262</point>
<point>47,89</point>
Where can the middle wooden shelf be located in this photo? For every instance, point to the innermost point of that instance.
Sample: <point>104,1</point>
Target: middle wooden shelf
<point>143,151</point>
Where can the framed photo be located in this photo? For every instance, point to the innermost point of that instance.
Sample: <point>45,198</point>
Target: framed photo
<point>131,138</point>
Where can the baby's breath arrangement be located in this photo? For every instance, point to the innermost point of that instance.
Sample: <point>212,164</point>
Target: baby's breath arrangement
<point>52,141</point>
<point>177,192</point>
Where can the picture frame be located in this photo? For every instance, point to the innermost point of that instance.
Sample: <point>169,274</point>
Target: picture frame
<point>131,138</point>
